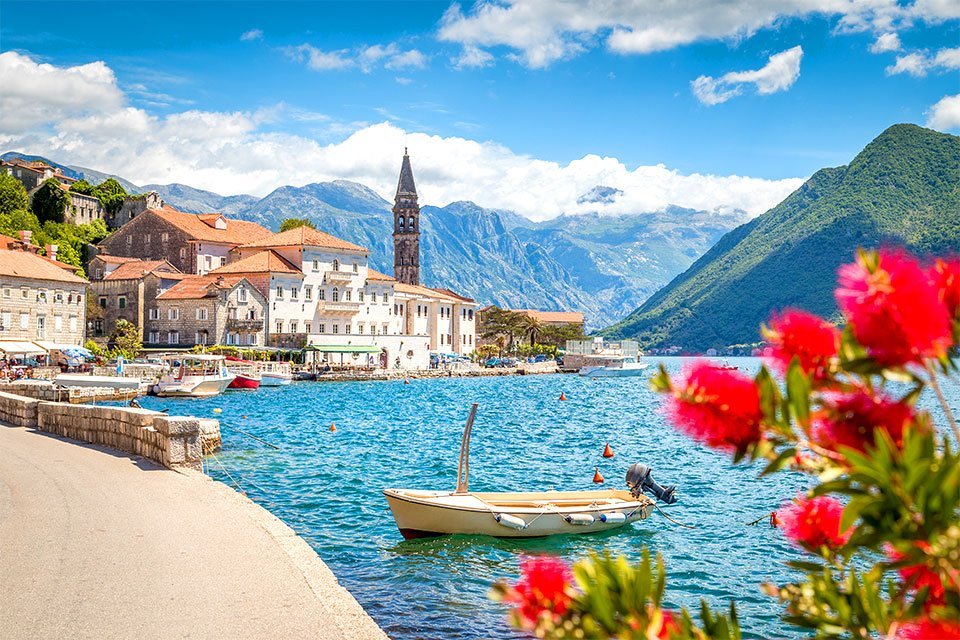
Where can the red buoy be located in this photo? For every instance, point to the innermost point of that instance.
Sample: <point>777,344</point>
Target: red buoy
<point>607,451</point>
<point>597,478</point>
<point>563,396</point>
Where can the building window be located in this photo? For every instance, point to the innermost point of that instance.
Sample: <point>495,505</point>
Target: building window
<point>316,265</point>
<point>154,314</point>
<point>173,314</point>
<point>322,328</point>
<point>201,314</point>
<point>360,328</point>
<point>308,293</point>
<point>307,327</point>
<point>385,300</point>
<point>242,294</point>
<point>121,302</point>
<point>58,323</point>
<point>293,293</point>
<point>164,237</point>
<point>183,253</point>
<point>98,274</point>
<point>252,338</point>
<point>102,301</point>
<point>321,293</point>
<point>336,328</point>
<point>5,320</point>
<point>252,314</point>
<point>386,329</point>
<point>146,237</point>
<point>336,265</point>
<point>279,292</point>
<point>173,337</point>
<point>279,326</point>
<point>200,337</point>
<point>347,294</point>
<point>98,327</point>
<point>360,295</point>
<point>154,337</point>
<point>293,326</point>
<point>58,297</point>
<point>336,295</point>
<point>129,240</point>
<point>470,314</point>
<point>223,261</point>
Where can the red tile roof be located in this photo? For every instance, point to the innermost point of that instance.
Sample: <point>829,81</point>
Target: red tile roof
<point>376,276</point>
<point>237,231</point>
<point>565,317</point>
<point>6,241</point>
<point>135,269</point>
<point>22,264</point>
<point>454,294</point>
<point>198,287</point>
<point>425,292</point>
<point>114,259</point>
<point>304,237</point>
<point>261,262</point>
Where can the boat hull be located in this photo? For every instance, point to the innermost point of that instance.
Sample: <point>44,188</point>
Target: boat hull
<point>613,372</point>
<point>80,380</point>
<point>275,379</point>
<point>243,381</point>
<point>420,514</point>
<point>203,389</point>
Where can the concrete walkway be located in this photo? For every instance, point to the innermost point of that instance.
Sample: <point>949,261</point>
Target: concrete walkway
<point>97,544</point>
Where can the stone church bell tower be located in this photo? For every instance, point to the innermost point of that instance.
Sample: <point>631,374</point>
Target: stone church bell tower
<point>406,227</point>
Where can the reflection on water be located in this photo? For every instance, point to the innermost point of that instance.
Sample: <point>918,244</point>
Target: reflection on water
<point>327,487</point>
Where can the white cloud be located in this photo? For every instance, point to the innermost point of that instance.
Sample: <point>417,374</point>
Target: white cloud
<point>919,63</point>
<point>473,57</point>
<point>945,114</point>
<point>253,34</point>
<point>367,58</point>
<point>544,32</point>
<point>886,42</point>
<point>236,152</point>
<point>779,74</point>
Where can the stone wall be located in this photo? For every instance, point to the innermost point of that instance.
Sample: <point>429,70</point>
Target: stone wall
<point>43,390</point>
<point>172,441</point>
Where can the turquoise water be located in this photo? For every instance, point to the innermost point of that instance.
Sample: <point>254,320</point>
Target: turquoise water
<point>327,487</point>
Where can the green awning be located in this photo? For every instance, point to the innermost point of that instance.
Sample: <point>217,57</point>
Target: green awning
<point>344,348</point>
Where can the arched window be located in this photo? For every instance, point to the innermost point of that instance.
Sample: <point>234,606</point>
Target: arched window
<point>336,294</point>
<point>336,265</point>
<point>411,223</point>
<point>400,222</point>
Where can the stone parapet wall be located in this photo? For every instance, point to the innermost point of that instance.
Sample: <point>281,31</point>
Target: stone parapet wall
<point>172,441</point>
<point>44,390</point>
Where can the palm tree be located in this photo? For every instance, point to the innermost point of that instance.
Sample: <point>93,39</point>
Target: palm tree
<point>531,328</point>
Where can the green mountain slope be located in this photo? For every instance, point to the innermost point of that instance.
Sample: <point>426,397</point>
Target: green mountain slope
<point>903,189</point>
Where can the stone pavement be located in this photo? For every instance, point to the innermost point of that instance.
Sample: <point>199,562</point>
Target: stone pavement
<point>98,544</point>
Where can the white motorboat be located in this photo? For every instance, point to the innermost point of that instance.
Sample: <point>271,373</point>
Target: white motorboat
<point>526,514</point>
<point>274,374</point>
<point>109,382</point>
<point>194,375</point>
<point>614,367</point>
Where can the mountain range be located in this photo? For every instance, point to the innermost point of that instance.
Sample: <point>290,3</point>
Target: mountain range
<point>901,190</point>
<point>601,265</point>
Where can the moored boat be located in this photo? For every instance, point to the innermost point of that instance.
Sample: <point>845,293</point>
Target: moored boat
<point>194,375</point>
<point>245,372</point>
<point>614,367</point>
<point>524,514</point>
<point>83,380</point>
<point>274,374</point>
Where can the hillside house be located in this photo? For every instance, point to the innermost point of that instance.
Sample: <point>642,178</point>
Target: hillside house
<point>127,289</point>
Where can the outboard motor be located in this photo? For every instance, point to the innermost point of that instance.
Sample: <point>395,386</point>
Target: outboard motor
<point>639,481</point>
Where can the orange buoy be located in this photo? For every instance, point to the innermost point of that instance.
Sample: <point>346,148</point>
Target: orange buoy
<point>563,396</point>
<point>333,426</point>
<point>607,451</point>
<point>597,478</point>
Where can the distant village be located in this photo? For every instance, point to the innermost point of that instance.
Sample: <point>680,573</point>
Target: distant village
<point>185,280</point>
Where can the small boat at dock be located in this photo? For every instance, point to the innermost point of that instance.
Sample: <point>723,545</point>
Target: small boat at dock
<point>525,514</point>
<point>194,375</point>
<point>614,367</point>
<point>107,382</point>
<point>245,372</point>
<point>274,374</point>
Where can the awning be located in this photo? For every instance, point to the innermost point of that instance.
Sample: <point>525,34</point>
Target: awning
<point>21,348</point>
<point>56,346</point>
<point>344,348</point>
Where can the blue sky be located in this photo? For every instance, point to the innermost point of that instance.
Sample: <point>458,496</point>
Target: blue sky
<point>308,76</point>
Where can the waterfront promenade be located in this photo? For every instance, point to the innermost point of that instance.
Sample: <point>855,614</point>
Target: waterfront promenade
<point>99,544</point>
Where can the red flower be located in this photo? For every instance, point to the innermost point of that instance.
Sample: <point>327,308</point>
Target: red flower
<point>663,627</point>
<point>813,523</point>
<point>929,630</point>
<point>718,407</point>
<point>851,420</point>
<point>894,308</point>
<point>545,587</point>
<point>919,576</point>
<point>810,339</point>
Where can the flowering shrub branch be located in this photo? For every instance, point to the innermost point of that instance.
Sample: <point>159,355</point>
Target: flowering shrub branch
<point>881,522</point>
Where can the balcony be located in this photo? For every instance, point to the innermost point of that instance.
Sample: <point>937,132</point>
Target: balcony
<point>244,325</point>
<point>338,308</point>
<point>339,276</point>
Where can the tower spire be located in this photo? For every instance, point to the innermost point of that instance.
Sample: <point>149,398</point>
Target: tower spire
<point>406,226</point>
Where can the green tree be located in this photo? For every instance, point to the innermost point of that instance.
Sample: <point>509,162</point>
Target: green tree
<point>125,340</point>
<point>293,223</point>
<point>13,197</point>
<point>82,186</point>
<point>111,195</point>
<point>502,322</point>
<point>49,201</point>
<point>18,220</point>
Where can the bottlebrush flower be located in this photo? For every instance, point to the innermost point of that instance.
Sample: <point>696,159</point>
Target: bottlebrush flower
<point>810,339</point>
<point>662,626</point>
<point>928,630</point>
<point>919,576</point>
<point>894,309</point>
<point>718,407</point>
<point>814,522</point>
<point>851,420</point>
<point>545,586</point>
<point>946,275</point>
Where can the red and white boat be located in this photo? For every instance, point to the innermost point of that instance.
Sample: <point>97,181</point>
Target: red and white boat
<point>274,374</point>
<point>245,372</point>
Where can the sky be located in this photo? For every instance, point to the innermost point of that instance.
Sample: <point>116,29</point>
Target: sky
<point>515,104</point>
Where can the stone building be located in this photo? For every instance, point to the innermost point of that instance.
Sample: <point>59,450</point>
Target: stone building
<point>127,289</point>
<point>406,227</point>
<point>40,300</point>
<point>211,309</point>
<point>33,173</point>
<point>193,243</point>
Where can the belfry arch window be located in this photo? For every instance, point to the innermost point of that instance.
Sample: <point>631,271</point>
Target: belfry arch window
<point>400,222</point>
<point>410,223</point>
<point>336,295</point>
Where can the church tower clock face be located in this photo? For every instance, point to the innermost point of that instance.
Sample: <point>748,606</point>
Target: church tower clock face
<point>406,227</point>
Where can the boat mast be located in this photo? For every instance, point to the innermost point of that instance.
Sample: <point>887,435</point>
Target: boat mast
<point>463,468</point>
